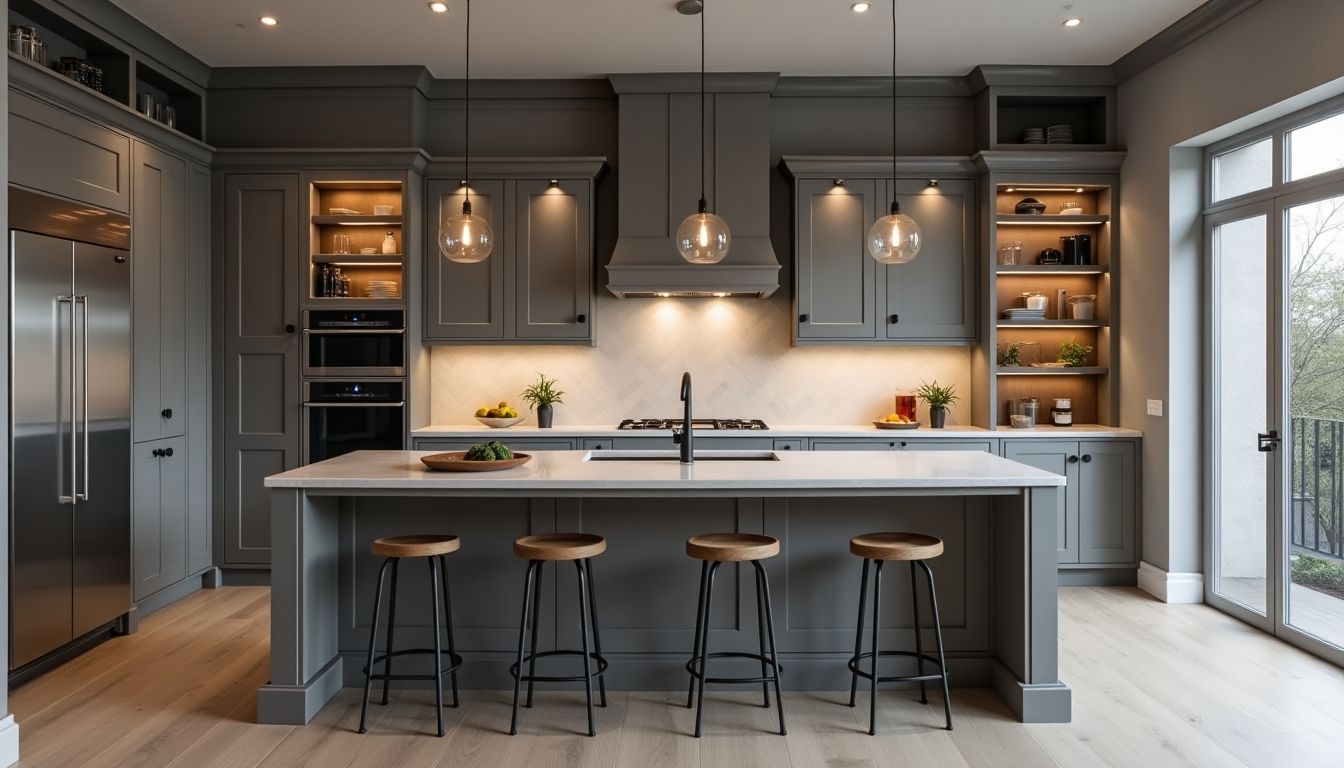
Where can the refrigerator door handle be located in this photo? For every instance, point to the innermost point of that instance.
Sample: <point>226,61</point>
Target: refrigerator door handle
<point>61,497</point>
<point>84,345</point>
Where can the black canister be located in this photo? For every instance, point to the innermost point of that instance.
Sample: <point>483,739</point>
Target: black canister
<point>1069,246</point>
<point>1083,248</point>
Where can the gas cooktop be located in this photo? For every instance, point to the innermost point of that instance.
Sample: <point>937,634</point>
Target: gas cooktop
<point>748,424</point>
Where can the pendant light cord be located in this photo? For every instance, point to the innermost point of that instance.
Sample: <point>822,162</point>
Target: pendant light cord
<point>466,120</point>
<point>703,203</point>
<point>895,207</point>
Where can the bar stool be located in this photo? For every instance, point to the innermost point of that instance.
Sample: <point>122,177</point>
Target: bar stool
<point>715,549</point>
<point>555,547</point>
<point>914,548</point>
<point>434,549</point>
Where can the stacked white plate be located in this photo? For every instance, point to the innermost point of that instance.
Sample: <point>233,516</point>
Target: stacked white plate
<point>1034,136</point>
<point>1021,313</point>
<point>383,289</point>
<point>1059,134</point>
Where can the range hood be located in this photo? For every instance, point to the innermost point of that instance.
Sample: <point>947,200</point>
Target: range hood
<point>659,183</point>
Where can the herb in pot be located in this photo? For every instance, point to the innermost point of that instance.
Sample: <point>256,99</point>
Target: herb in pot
<point>1073,354</point>
<point>1010,356</point>
<point>541,397</point>
<point>937,398</point>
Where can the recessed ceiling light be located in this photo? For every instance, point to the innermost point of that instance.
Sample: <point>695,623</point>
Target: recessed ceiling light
<point>859,6</point>
<point>1073,22</point>
<point>269,21</point>
<point>438,7</point>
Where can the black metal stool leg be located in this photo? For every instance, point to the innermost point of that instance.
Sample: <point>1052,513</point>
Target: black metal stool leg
<point>699,623</point>
<point>597,637</point>
<point>704,644</point>
<point>438,648</point>
<point>858,635</point>
<point>587,659</point>
<point>919,643</point>
<point>770,627</point>
<point>391,626</point>
<point>448,615</point>
<point>938,636</point>
<point>373,641</point>
<point>522,641</point>
<point>536,620</point>
<point>760,636</point>
<point>877,596</point>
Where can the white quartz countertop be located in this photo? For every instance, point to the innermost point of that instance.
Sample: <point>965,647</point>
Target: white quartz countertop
<point>1080,431</point>
<point>847,472</point>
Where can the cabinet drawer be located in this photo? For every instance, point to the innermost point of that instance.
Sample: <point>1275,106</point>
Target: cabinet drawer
<point>790,444</point>
<point>58,152</point>
<point>948,445</point>
<point>855,445</point>
<point>525,444</point>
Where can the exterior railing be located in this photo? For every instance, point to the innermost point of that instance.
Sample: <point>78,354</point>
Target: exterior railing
<point>1317,486</point>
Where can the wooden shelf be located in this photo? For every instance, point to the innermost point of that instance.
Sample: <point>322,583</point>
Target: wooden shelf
<point>1050,220</point>
<point>359,301</point>
<point>1051,323</point>
<point>347,220</point>
<point>1027,370</point>
<point>1050,269</point>
<point>359,259</point>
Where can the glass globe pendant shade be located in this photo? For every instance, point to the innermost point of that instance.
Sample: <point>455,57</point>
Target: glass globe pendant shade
<point>894,238</point>
<point>466,238</point>
<point>703,238</point>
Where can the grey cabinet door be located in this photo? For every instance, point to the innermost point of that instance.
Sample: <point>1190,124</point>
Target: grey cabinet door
<point>1106,502</point>
<point>466,301</point>
<point>262,284</point>
<point>1054,456</point>
<point>159,514</point>
<point>159,304</point>
<point>856,445</point>
<point>553,257</point>
<point>948,445</point>
<point>833,273</point>
<point>59,152</point>
<point>199,366</point>
<point>934,297</point>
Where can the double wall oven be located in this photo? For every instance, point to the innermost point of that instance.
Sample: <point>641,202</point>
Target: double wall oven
<point>354,388</point>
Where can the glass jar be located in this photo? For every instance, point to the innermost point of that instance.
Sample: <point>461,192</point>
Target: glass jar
<point>905,403</point>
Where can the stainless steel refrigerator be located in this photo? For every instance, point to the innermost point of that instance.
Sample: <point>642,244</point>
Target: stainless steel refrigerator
<point>70,409</point>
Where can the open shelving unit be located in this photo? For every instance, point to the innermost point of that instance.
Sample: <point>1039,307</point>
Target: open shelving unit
<point>364,229</point>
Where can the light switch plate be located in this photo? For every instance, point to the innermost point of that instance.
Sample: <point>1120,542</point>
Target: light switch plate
<point>1154,407</point>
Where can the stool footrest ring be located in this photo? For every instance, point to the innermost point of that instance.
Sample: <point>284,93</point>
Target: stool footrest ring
<point>601,668</point>
<point>854,667</point>
<point>693,667</point>
<point>454,663</point>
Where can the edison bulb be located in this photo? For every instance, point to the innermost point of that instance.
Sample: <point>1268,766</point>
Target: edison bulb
<point>703,238</point>
<point>894,239</point>
<point>466,238</point>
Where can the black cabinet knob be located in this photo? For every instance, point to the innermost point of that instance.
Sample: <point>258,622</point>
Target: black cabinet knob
<point>1087,458</point>
<point>904,444</point>
<point>168,452</point>
<point>166,413</point>
<point>582,319</point>
<point>891,444</point>
<point>893,319</point>
<point>1073,459</point>
<point>289,328</point>
<point>802,318</point>
<point>788,447</point>
<point>156,452</point>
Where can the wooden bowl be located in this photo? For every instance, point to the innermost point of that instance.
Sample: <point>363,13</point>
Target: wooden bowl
<point>499,423</point>
<point>896,425</point>
<point>456,461</point>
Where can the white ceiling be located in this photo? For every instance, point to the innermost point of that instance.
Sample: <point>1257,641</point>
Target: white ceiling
<point>587,38</point>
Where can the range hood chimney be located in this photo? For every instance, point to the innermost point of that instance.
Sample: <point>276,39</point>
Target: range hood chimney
<point>659,177</point>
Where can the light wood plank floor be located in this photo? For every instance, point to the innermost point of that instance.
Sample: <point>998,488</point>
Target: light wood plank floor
<point>1154,685</point>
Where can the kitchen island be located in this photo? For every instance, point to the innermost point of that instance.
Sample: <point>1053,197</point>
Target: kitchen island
<point>997,579</point>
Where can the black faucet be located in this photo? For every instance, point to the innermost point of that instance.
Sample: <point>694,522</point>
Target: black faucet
<point>685,438</point>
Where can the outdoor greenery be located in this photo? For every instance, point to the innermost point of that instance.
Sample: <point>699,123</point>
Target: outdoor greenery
<point>1316,292</point>
<point>1320,574</point>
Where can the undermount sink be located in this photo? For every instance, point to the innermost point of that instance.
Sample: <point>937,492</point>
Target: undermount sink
<point>673,455</point>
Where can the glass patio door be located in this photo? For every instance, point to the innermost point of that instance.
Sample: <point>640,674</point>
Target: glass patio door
<point>1243,475</point>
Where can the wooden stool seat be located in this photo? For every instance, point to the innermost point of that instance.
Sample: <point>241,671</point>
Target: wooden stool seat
<point>416,546</point>
<point>896,546</point>
<point>732,547</point>
<point>559,546</point>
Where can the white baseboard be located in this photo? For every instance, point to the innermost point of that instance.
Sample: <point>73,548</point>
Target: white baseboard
<point>1171,587</point>
<point>9,741</point>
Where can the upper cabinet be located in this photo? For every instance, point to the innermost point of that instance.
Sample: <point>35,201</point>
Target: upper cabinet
<point>58,152</point>
<point>842,295</point>
<point>536,287</point>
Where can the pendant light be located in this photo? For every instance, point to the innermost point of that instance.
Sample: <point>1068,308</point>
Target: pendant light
<point>702,238</point>
<point>466,238</point>
<point>894,238</point>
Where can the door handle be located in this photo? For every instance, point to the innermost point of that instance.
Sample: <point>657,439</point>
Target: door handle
<point>1269,441</point>
<point>802,318</point>
<point>85,366</point>
<point>289,328</point>
<point>61,497</point>
<point>893,319</point>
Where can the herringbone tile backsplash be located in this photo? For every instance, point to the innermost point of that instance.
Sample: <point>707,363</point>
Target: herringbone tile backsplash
<point>737,350</point>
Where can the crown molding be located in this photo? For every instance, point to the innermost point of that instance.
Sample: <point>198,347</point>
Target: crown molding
<point>1186,30</point>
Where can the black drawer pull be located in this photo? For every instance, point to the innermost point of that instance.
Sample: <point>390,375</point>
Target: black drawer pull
<point>894,319</point>
<point>802,318</point>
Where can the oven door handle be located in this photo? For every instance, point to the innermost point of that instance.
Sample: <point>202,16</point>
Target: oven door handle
<point>401,404</point>
<point>354,332</point>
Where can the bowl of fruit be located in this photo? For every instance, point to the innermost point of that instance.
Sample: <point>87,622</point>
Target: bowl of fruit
<point>500,416</point>
<point>896,421</point>
<point>482,457</point>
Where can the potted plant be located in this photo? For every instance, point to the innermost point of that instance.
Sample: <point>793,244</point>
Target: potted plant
<point>542,397</point>
<point>1073,354</point>
<point>1010,355</point>
<point>937,398</point>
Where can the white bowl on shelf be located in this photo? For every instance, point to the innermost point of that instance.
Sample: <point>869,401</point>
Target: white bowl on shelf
<point>499,423</point>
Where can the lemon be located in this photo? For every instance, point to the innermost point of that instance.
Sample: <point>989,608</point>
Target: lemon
<point>482,411</point>
<point>892,417</point>
<point>503,404</point>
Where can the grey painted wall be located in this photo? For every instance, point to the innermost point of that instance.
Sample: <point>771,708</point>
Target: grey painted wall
<point>1259,62</point>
